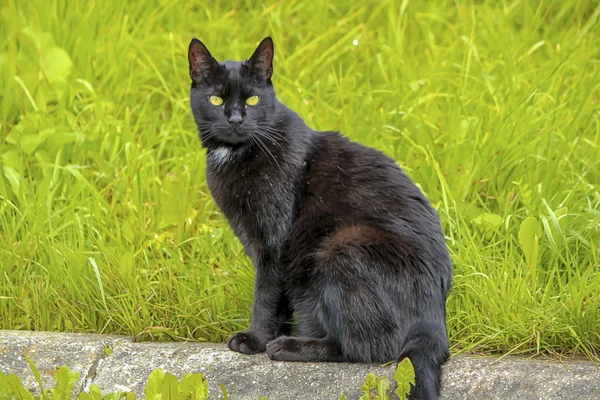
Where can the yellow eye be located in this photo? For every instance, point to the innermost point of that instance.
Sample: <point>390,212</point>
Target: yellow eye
<point>215,100</point>
<point>252,101</point>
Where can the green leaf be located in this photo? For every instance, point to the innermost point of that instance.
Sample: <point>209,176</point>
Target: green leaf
<point>65,378</point>
<point>404,377</point>
<point>30,142</point>
<point>224,391</point>
<point>529,234</point>
<point>13,177</point>
<point>194,387</point>
<point>107,350</point>
<point>555,230</point>
<point>169,387</point>
<point>61,137</point>
<point>488,221</point>
<point>18,391</point>
<point>5,388</point>
<point>56,64</point>
<point>561,217</point>
<point>383,387</point>
<point>415,85</point>
<point>36,375</point>
<point>3,189</point>
<point>369,384</point>
<point>12,158</point>
<point>84,396</point>
<point>154,384</point>
<point>94,392</point>
<point>114,396</point>
<point>342,396</point>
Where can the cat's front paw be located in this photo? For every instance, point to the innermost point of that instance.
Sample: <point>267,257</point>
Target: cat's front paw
<point>247,343</point>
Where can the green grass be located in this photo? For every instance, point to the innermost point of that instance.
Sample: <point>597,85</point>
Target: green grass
<point>106,222</point>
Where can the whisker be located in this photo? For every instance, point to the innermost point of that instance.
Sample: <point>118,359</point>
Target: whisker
<point>271,133</point>
<point>270,138</point>
<point>266,148</point>
<point>272,130</point>
<point>271,127</point>
<point>259,146</point>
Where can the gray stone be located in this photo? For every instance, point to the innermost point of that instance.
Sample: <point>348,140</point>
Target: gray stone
<point>245,377</point>
<point>508,378</point>
<point>80,352</point>
<point>250,377</point>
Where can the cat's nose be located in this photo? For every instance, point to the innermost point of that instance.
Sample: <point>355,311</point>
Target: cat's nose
<point>235,119</point>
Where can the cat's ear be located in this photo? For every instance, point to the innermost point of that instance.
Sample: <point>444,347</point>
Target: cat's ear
<point>202,63</point>
<point>261,61</point>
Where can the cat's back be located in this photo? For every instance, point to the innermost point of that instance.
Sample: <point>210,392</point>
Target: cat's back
<point>362,181</point>
<point>360,197</point>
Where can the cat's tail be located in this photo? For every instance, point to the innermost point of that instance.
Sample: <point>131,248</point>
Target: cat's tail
<point>427,349</point>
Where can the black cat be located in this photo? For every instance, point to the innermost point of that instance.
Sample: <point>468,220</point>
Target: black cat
<point>341,238</point>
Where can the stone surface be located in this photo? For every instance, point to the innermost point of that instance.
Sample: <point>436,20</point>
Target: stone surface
<point>81,352</point>
<point>250,377</point>
<point>494,378</point>
<point>245,377</point>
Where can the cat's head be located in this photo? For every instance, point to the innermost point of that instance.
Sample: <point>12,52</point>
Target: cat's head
<point>232,100</point>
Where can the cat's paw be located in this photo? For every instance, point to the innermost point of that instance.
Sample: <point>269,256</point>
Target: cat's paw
<point>283,349</point>
<point>247,343</point>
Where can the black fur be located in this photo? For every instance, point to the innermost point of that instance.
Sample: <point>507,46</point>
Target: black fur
<point>338,234</point>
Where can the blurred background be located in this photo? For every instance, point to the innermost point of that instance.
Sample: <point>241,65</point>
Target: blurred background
<point>492,107</point>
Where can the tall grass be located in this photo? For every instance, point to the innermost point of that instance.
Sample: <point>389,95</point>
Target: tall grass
<point>106,223</point>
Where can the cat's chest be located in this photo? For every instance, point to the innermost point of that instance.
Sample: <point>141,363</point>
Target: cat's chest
<point>258,202</point>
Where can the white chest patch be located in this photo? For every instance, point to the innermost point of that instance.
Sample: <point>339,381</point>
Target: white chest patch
<point>220,155</point>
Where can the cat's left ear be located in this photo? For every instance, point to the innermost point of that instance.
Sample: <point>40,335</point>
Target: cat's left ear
<point>262,60</point>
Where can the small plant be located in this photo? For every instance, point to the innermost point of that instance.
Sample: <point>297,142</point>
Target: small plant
<point>378,387</point>
<point>166,386</point>
<point>404,377</point>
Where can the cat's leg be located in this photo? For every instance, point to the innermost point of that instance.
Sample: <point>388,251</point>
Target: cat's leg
<point>304,349</point>
<point>270,312</point>
<point>286,317</point>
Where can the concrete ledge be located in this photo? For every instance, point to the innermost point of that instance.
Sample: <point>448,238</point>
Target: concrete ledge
<point>80,352</point>
<point>249,377</point>
<point>245,377</point>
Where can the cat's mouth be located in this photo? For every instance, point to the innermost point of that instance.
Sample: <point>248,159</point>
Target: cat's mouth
<point>230,136</point>
<point>234,138</point>
<point>237,135</point>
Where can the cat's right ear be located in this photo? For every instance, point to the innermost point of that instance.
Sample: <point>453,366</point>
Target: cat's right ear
<point>202,63</point>
<point>261,61</point>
